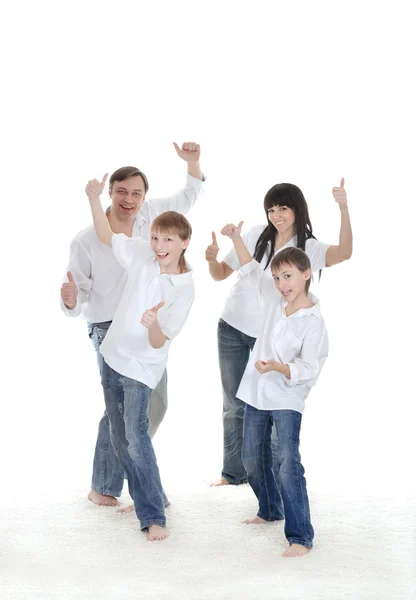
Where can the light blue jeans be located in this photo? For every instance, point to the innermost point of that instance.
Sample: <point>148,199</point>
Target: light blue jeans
<point>127,404</point>
<point>108,473</point>
<point>257,457</point>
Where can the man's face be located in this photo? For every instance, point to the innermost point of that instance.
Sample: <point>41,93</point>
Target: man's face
<point>127,196</point>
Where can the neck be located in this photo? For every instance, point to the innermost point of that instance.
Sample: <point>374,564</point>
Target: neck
<point>302,301</point>
<point>171,270</point>
<point>281,239</point>
<point>119,226</point>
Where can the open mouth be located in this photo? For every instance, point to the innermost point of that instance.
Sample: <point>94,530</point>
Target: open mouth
<point>287,293</point>
<point>127,208</point>
<point>162,255</point>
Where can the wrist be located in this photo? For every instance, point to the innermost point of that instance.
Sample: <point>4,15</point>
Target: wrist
<point>70,306</point>
<point>343,207</point>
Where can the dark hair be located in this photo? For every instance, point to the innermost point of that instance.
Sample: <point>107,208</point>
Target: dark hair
<point>296,257</point>
<point>284,194</point>
<point>125,173</point>
<point>173,222</point>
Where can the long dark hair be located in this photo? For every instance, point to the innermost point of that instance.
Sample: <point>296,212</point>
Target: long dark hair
<point>284,194</point>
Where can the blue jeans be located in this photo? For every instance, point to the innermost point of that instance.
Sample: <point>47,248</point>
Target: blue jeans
<point>257,457</point>
<point>127,404</point>
<point>108,473</point>
<point>234,349</point>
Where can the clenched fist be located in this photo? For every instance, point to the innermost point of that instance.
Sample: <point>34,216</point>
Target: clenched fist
<point>211,252</point>
<point>190,152</point>
<point>232,231</point>
<point>69,292</point>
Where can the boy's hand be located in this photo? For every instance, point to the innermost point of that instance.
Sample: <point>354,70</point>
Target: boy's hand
<point>340,194</point>
<point>190,151</point>
<point>94,188</point>
<point>211,252</point>
<point>264,367</point>
<point>69,292</point>
<point>149,317</point>
<point>232,231</point>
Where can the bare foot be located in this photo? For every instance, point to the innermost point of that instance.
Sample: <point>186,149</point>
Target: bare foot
<point>295,550</point>
<point>255,521</point>
<point>220,482</point>
<point>156,533</point>
<point>126,509</point>
<point>102,500</point>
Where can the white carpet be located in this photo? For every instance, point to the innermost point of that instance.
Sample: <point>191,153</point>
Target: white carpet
<point>63,547</point>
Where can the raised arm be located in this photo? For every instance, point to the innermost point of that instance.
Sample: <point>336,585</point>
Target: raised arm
<point>218,270</point>
<point>234,233</point>
<point>337,254</point>
<point>190,153</point>
<point>103,230</point>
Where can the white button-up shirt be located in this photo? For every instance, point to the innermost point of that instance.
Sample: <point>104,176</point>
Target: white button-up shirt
<point>100,278</point>
<point>299,341</point>
<point>243,309</point>
<point>126,346</point>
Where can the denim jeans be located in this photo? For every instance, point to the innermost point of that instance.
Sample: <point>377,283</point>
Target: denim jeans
<point>257,457</point>
<point>108,473</point>
<point>127,404</point>
<point>234,349</point>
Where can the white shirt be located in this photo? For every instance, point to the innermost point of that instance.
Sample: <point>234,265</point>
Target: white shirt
<point>99,276</point>
<point>243,308</point>
<point>126,346</point>
<point>299,341</point>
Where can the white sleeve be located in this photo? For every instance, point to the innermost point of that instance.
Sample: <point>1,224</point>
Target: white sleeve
<point>312,357</point>
<point>80,266</point>
<point>182,201</point>
<point>174,317</point>
<point>316,252</point>
<point>126,249</point>
<point>262,281</point>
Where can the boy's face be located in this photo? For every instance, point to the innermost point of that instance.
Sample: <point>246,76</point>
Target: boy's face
<point>127,197</point>
<point>168,248</point>
<point>290,281</point>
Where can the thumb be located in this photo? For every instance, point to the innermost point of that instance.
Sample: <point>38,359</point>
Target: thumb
<point>104,180</point>
<point>214,239</point>
<point>156,308</point>
<point>240,224</point>
<point>70,278</point>
<point>342,183</point>
<point>176,147</point>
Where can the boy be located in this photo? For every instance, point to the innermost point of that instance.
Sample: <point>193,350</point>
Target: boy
<point>285,363</point>
<point>160,290</point>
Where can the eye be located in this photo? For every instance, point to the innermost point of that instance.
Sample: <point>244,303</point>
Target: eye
<point>287,276</point>
<point>283,208</point>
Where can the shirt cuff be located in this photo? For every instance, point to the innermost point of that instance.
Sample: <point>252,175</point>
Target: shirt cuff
<point>249,267</point>
<point>194,181</point>
<point>72,312</point>
<point>294,375</point>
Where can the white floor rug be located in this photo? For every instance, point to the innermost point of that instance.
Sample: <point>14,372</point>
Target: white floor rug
<point>62,547</point>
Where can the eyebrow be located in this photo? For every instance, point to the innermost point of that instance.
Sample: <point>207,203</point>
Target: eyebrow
<point>124,188</point>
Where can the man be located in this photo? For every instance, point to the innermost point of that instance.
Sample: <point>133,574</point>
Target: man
<point>96,282</point>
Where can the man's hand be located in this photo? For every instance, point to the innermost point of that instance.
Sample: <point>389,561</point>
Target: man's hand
<point>232,231</point>
<point>190,152</point>
<point>69,292</point>
<point>264,367</point>
<point>94,188</point>
<point>211,252</point>
<point>149,317</point>
<point>340,194</point>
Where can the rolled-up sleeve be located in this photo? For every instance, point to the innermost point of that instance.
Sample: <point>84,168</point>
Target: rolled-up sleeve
<point>313,355</point>
<point>174,318</point>
<point>79,265</point>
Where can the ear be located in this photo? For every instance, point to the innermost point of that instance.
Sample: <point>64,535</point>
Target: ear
<point>185,244</point>
<point>307,274</point>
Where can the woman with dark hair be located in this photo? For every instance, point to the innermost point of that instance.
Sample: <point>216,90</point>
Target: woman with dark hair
<point>288,224</point>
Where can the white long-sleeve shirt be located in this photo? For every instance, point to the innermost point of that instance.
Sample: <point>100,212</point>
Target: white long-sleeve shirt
<point>100,278</point>
<point>126,346</point>
<point>299,340</point>
<point>243,308</point>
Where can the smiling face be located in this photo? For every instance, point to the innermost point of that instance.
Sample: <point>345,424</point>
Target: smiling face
<point>127,196</point>
<point>168,248</point>
<point>283,219</point>
<point>291,282</point>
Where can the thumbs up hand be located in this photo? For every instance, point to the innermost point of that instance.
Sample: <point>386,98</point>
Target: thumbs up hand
<point>211,252</point>
<point>231,231</point>
<point>149,317</point>
<point>94,188</point>
<point>69,292</point>
<point>340,194</point>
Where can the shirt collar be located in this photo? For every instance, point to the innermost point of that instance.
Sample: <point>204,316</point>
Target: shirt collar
<point>304,312</point>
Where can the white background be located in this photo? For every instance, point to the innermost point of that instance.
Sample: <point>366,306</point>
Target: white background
<point>302,92</point>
